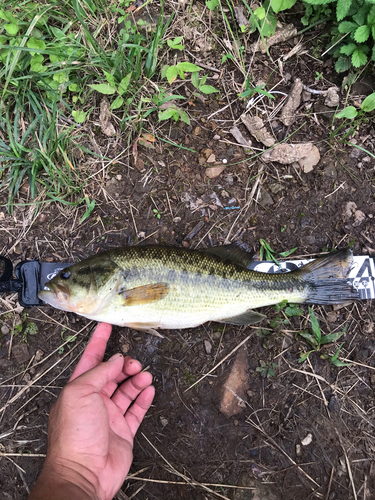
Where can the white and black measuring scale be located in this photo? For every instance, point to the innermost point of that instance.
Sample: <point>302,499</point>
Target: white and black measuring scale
<point>32,275</point>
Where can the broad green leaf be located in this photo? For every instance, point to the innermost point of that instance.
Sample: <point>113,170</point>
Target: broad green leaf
<point>287,252</point>
<point>171,74</point>
<point>293,311</point>
<point>347,27</point>
<point>73,87</point>
<point>79,116</point>
<point>373,31</point>
<point>260,12</point>
<point>279,5</point>
<point>348,49</point>
<point>165,115</point>
<point>335,361</point>
<point>117,102</point>
<point>362,33</point>
<point>212,4</point>
<point>319,2</point>
<point>188,67</point>
<point>268,25</point>
<point>103,88</point>
<point>331,337</point>
<point>203,79</point>
<point>7,16</point>
<point>60,76</point>
<point>38,68</point>
<point>33,43</point>
<point>59,34</point>
<point>208,89</point>
<point>358,58</point>
<point>360,16</point>
<point>315,325</point>
<point>184,116</point>
<point>304,356</point>
<point>348,112</point>
<point>371,16</point>
<point>342,8</point>
<point>12,28</point>
<point>310,339</point>
<point>195,79</point>
<point>369,103</point>
<point>110,79</point>
<point>342,64</point>
<point>90,208</point>
<point>124,84</point>
<point>164,70</point>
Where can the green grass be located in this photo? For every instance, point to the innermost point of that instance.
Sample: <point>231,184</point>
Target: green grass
<point>51,59</point>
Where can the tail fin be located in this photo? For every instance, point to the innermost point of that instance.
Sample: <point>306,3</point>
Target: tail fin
<point>326,279</point>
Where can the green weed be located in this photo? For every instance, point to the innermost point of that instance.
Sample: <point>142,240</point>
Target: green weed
<point>269,254</point>
<point>316,340</point>
<point>352,33</point>
<point>267,369</point>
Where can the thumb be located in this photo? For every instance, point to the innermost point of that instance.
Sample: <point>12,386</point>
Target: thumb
<point>99,376</point>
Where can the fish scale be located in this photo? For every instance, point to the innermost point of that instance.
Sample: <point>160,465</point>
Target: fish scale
<point>154,287</point>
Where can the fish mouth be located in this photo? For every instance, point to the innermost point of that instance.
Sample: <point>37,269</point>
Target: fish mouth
<point>55,292</point>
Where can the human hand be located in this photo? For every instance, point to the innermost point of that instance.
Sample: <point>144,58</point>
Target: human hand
<point>91,427</point>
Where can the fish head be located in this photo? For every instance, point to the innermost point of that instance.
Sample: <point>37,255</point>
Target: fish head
<point>84,288</point>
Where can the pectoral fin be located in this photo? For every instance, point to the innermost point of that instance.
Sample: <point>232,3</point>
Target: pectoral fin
<point>145,294</point>
<point>249,317</point>
<point>147,328</point>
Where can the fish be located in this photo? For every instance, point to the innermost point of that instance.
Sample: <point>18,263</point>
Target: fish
<point>159,287</point>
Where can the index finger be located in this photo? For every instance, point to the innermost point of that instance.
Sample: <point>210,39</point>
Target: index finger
<point>94,352</point>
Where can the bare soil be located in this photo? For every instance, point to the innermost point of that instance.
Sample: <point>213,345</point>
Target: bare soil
<point>173,202</point>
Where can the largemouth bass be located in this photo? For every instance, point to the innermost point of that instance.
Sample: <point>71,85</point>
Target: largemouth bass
<point>152,287</point>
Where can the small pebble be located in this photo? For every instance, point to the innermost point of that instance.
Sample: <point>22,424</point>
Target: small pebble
<point>307,440</point>
<point>217,137</point>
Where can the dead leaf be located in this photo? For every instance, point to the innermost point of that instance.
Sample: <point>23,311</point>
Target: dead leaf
<point>149,137</point>
<point>105,115</point>
<point>288,153</point>
<point>145,143</point>
<point>256,127</point>
<point>288,113</point>
<point>140,164</point>
<point>211,158</point>
<point>239,137</point>
<point>308,162</point>
<point>333,99</point>
<point>212,172</point>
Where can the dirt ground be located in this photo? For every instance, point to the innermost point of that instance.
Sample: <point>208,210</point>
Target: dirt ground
<point>186,447</point>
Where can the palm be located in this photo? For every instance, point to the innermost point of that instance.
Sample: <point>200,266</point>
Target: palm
<point>92,427</point>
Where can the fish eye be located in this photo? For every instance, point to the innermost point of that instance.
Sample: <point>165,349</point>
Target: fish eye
<point>65,275</point>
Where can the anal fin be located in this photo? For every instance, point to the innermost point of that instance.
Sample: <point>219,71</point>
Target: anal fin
<point>249,317</point>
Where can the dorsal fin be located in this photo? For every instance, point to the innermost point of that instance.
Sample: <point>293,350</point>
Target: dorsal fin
<point>232,252</point>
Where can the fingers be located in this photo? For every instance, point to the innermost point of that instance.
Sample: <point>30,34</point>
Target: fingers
<point>131,367</point>
<point>129,390</point>
<point>94,352</point>
<point>138,410</point>
<point>98,377</point>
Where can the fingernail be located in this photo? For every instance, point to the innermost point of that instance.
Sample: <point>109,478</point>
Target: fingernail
<point>115,356</point>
